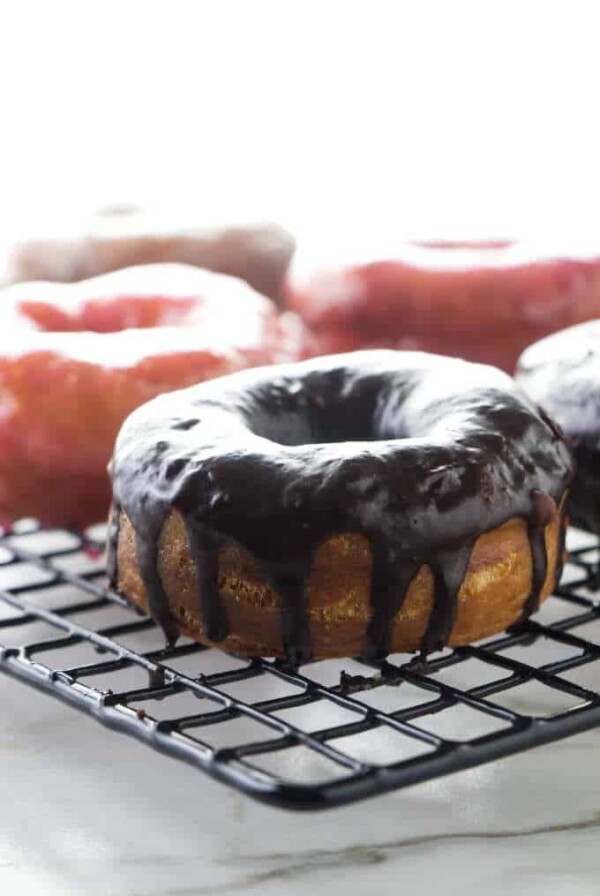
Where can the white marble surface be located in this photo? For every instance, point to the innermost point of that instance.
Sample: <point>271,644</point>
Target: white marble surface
<point>87,811</point>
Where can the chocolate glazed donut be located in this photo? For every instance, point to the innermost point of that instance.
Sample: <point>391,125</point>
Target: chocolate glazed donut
<point>562,373</point>
<point>418,454</point>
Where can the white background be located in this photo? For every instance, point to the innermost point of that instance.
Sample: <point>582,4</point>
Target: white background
<point>450,118</point>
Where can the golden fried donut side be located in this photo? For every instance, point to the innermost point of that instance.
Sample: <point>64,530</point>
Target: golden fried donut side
<point>491,598</point>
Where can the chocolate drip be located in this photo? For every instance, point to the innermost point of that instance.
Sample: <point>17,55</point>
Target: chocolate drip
<point>449,570</point>
<point>539,569</point>
<point>422,454</point>
<point>542,513</point>
<point>390,580</point>
<point>158,602</point>
<point>204,550</point>
<point>290,580</point>
<point>112,561</point>
<point>562,537</point>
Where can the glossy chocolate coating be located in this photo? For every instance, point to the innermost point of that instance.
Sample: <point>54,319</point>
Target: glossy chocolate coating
<point>562,373</point>
<point>421,453</point>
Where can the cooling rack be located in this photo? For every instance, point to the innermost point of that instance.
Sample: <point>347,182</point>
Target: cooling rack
<point>328,733</point>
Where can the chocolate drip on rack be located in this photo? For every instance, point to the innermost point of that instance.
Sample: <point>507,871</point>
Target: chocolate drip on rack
<point>434,453</point>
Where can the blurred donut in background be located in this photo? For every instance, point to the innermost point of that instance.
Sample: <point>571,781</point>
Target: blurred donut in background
<point>562,374</point>
<point>483,301</point>
<point>76,359</point>
<point>122,236</point>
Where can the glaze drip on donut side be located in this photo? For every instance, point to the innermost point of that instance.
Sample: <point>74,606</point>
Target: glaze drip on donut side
<point>291,583</point>
<point>422,454</point>
<point>204,550</point>
<point>158,602</point>
<point>449,571</point>
<point>112,543</point>
<point>390,581</point>
<point>542,512</point>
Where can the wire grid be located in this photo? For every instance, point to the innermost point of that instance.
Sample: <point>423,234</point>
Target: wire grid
<point>330,733</point>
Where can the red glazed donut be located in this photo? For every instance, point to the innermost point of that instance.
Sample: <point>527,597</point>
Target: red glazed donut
<point>64,393</point>
<point>481,301</point>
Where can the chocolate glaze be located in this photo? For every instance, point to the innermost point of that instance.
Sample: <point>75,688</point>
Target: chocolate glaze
<point>562,373</point>
<point>112,541</point>
<point>422,454</point>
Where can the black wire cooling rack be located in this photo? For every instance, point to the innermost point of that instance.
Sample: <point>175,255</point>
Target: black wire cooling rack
<point>330,733</point>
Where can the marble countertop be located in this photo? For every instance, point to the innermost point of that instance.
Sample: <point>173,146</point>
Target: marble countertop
<point>88,811</point>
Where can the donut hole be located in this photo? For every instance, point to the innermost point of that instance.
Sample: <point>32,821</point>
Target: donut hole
<point>454,245</point>
<point>325,408</point>
<point>298,422</point>
<point>108,315</point>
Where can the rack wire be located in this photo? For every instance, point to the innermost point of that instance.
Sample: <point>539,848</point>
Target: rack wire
<point>332,732</point>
